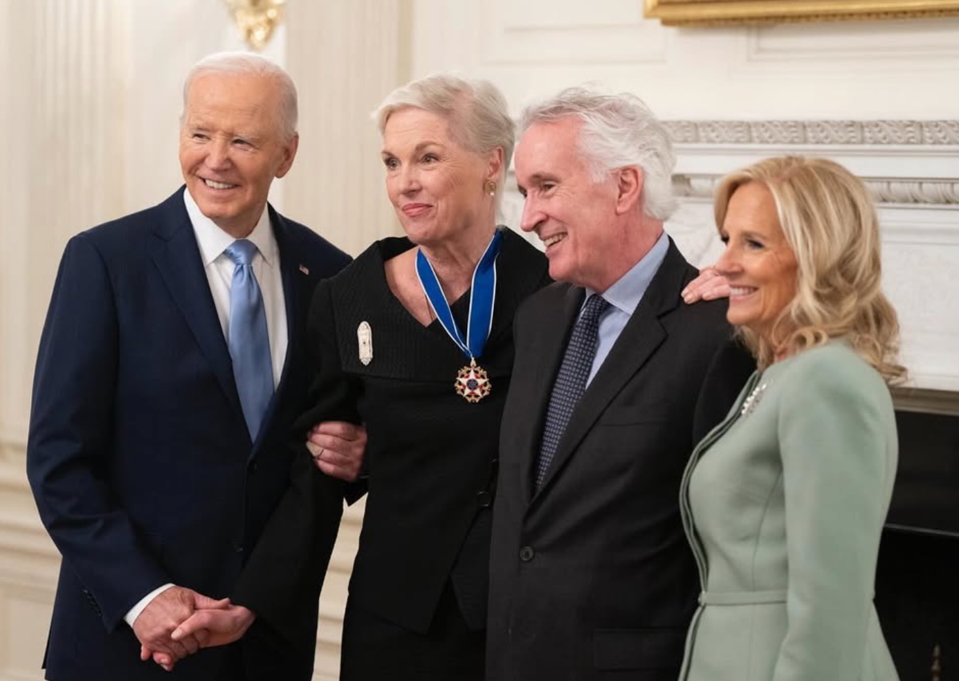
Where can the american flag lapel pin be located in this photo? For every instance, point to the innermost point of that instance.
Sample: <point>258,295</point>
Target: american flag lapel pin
<point>304,269</point>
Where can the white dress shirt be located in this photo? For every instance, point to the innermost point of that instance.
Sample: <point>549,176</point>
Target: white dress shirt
<point>219,267</point>
<point>213,241</point>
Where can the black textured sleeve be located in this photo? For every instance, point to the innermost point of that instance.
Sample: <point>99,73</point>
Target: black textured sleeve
<point>731,367</point>
<point>289,561</point>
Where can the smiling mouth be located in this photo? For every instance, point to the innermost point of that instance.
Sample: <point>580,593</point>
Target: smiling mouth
<point>414,209</point>
<point>555,239</point>
<point>740,291</point>
<point>217,185</point>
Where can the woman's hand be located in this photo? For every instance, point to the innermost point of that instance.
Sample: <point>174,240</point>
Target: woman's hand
<point>211,627</point>
<point>338,449</point>
<point>709,285</point>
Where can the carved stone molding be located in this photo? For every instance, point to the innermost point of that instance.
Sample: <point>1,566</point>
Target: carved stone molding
<point>906,163</point>
<point>942,132</point>
<point>921,192</point>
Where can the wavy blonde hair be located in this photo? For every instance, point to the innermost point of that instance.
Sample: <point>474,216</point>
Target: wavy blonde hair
<point>830,222</point>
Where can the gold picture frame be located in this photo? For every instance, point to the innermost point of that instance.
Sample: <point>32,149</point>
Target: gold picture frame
<point>738,12</point>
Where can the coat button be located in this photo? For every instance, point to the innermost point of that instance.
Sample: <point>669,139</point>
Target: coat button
<point>526,554</point>
<point>484,499</point>
<point>238,548</point>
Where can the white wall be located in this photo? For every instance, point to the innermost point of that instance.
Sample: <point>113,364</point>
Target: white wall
<point>845,70</point>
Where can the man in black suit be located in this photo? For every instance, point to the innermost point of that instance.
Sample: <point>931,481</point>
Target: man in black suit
<point>591,575</point>
<point>170,371</point>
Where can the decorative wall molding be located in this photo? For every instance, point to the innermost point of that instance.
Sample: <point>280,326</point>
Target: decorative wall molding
<point>940,132</point>
<point>795,49</point>
<point>924,192</point>
<point>908,162</point>
<point>911,168</point>
<point>923,154</point>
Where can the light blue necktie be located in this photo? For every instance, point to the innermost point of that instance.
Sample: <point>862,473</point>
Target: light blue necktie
<point>249,341</point>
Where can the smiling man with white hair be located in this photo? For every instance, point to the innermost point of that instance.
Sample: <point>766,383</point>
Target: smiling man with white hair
<point>170,371</point>
<point>591,576</point>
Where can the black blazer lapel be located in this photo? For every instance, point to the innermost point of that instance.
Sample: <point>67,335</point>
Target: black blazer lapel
<point>550,338</point>
<point>635,346</point>
<point>177,257</point>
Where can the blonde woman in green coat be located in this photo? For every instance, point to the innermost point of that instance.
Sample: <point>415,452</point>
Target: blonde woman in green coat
<point>785,500</point>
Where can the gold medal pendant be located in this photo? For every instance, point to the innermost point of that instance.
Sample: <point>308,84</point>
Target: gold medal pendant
<point>472,382</point>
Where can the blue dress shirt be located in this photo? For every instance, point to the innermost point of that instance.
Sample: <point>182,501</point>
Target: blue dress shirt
<point>623,297</point>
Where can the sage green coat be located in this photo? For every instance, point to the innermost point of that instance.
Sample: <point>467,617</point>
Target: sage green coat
<point>784,503</point>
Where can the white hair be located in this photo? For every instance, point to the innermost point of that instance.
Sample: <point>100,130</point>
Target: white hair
<point>618,131</point>
<point>250,64</point>
<point>475,110</point>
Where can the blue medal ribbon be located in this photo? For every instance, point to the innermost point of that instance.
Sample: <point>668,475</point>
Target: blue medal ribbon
<point>482,299</point>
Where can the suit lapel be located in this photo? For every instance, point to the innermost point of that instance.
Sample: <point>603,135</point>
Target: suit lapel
<point>294,298</point>
<point>637,343</point>
<point>177,257</point>
<point>549,342</point>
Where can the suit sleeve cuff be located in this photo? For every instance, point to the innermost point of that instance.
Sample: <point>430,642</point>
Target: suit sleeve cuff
<point>142,604</point>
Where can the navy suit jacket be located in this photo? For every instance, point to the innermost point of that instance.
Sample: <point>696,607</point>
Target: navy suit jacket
<point>139,457</point>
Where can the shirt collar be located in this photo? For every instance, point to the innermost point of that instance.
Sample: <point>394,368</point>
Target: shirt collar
<point>629,289</point>
<point>213,241</point>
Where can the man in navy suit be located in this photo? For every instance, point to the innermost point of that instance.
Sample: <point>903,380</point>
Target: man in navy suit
<point>170,371</point>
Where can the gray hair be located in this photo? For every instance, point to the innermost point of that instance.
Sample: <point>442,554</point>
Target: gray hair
<point>475,109</point>
<point>618,131</point>
<point>250,64</point>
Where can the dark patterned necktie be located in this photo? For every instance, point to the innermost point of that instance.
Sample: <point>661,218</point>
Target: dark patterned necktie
<point>570,381</point>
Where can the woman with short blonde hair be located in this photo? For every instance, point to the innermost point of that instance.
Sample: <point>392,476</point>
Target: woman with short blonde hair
<point>414,340</point>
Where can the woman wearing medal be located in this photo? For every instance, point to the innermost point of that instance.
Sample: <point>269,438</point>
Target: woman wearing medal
<point>422,355</point>
<point>414,340</point>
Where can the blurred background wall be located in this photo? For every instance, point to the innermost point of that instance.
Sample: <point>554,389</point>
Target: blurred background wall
<point>90,93</point>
